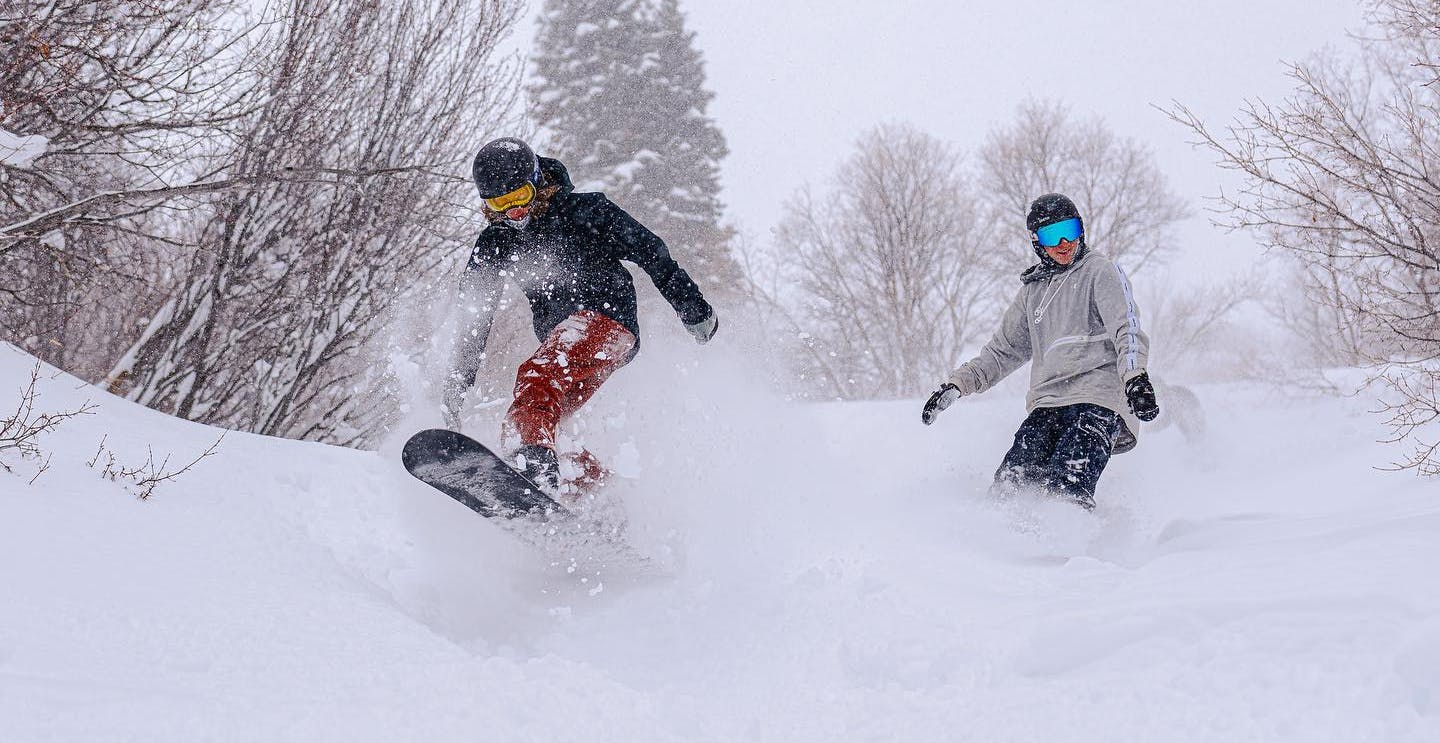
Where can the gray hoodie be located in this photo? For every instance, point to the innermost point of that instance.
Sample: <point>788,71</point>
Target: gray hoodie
<point>1080,328</point>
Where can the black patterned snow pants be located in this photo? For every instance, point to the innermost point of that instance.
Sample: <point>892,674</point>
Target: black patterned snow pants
<point>1060,450</point>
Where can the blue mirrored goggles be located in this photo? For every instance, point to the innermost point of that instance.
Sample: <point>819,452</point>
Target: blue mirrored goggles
<point>1051,234</point>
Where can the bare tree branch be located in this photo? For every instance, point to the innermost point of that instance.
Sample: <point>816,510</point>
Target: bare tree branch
<point>1125,199</point>
<point>21,430</point>
<point>84,210</point>
<point>893,265</point>
<point>1344,177</point>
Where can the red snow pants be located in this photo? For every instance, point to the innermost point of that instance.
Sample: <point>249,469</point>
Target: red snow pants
<point>560,377</point>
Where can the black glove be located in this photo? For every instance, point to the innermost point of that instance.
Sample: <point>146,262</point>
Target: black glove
<point>943,397</point>
<point>1140,394</point>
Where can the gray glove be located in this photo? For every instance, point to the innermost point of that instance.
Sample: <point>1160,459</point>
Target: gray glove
<point>452,403</point>
<point>705,329</point>
<point>942,399</point>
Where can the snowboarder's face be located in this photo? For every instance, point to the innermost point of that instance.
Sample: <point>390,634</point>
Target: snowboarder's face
<point>1061,240</point>
<point>514,206</point>
<point>1064,253</point>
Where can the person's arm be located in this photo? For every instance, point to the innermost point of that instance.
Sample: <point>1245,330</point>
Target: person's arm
<point>480,292</point>
<point>1007,351</point>
<point>633,242</point>
<point>1115,302</point>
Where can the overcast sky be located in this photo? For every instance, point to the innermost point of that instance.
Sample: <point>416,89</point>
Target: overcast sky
<point>797,82</point>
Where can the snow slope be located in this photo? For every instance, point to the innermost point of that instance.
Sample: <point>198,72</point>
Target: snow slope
<point>837,575</point>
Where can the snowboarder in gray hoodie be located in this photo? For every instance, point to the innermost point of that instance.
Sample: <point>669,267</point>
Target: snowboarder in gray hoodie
<point>1075,320</point>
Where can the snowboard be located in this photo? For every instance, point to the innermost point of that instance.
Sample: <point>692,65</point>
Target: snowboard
<point>482,481</point>
<point>478,478</point>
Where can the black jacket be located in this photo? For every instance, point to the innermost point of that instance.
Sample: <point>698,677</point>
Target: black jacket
<point>567,259</point>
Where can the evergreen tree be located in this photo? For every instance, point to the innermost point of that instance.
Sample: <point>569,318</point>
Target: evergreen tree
<point>619,91</point>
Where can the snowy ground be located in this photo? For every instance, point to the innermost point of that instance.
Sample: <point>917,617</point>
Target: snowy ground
<point>837,576</point>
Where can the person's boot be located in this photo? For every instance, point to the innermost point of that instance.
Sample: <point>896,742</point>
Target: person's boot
<point>539,465</point>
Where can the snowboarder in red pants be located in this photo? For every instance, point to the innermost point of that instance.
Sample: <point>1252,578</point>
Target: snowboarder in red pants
<point>563,250</point>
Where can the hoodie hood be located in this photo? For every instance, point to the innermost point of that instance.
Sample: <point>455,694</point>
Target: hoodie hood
<point>553,173</point>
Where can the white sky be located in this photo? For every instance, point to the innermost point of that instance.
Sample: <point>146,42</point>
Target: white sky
<point>797,82</point>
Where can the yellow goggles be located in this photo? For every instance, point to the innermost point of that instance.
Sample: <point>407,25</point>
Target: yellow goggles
<point>521,196</point>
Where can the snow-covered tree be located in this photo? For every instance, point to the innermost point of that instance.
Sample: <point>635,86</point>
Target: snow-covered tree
<point>215,205</point>
<point>275,324</point>
<point>619,92</point>
<point>126,99</point>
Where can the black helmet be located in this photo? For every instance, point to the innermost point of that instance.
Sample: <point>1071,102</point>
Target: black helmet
<point>503,166</point>
<point>1049,209</point>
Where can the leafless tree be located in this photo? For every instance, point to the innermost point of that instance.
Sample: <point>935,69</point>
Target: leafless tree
<point>235,197</point>
<point>128,96</point>
<point>1188,326</point>
<point>1414,23</point>
<point>1345,176</point>
<point>800,366</point>
<point>893,265</point>
<point>1326,338</point>
<point>1125,199</point>
<point>274,326</point>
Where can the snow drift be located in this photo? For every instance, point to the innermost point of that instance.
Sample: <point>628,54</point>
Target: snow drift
<point>837,575</point>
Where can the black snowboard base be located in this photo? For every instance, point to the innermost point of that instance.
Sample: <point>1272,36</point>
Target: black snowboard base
<point>469,472</point>
<point>482,481</point>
